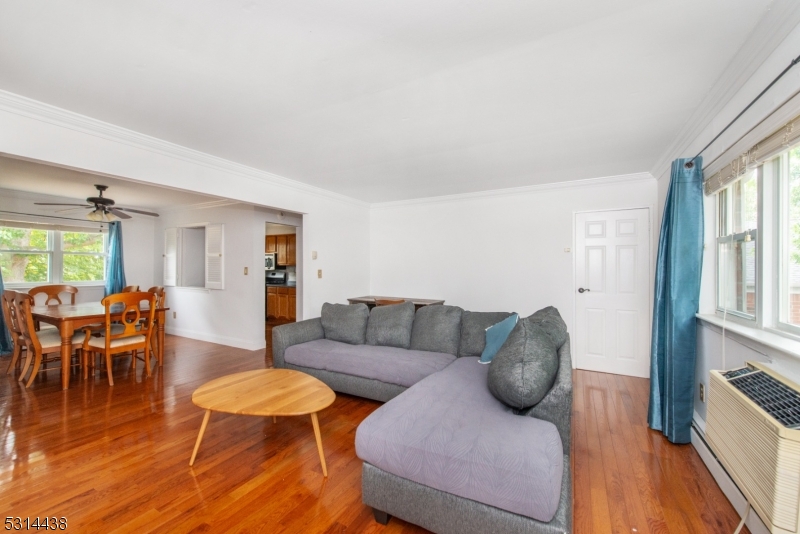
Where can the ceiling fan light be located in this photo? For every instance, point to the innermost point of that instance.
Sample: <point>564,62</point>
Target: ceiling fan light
<point>110,217</point>
<point>95,215</point>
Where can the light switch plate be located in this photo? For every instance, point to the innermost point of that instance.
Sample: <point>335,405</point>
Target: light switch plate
<point>245,271</point>
<point>319,273</point>
<point>313,254</point>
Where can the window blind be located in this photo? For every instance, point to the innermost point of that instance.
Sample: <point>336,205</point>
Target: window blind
<point>32,222</point>
<point>773,144</point>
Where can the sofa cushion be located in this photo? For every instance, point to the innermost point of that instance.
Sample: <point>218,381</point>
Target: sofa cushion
<point>525,367</point>
<point>345,322</point>
<point>496,335</point>
<point>387,364</point>
<point>390,326</point>
<point>449,433</point>
<point>437,329</point>
<point>552,323</point>
<point>473,331</point>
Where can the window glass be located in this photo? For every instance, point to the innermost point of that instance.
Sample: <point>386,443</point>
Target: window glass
<point>83,257</point>
<point>19,261</point>
<point>736,246</point>
<point>790,256</point>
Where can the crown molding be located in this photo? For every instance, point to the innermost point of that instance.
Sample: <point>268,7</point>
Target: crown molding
<point>20,105</point>
<point>777,23</point>
<point>221,203</point>
<point>513,191</point>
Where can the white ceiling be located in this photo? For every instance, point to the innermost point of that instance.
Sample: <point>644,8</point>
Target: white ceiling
<point>32,177</point>
<point>386,100</point>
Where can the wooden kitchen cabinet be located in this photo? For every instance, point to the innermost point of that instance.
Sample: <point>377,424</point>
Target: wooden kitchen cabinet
<point>291,250</point>
<point>272,302</point>
<point>293,305</point>
<point>280,245</point>
<point>270,245</point>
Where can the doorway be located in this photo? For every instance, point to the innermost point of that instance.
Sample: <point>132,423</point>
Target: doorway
<point>612,291</point>
<point>280,276</point>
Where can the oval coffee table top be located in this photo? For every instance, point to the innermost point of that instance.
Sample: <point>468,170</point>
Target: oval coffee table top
<point>265,392</point>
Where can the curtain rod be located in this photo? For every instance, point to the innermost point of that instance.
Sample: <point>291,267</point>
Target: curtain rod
<point>689,164</point>
<point>51,217</point>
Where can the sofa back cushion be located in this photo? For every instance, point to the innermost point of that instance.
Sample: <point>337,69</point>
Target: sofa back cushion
<point>437,329</point>
<point>390,326</point>
<point>345,322</point>
<point>525,367</point>
<point>473,331</point>
<point>552,323</point>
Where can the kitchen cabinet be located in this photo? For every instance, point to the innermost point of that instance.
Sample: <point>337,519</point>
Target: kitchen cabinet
<point>291,250</point>
<point>280,245</point>
<point>282,303</point>
<point>286,249</point>
<point>270,245</point>
<point>272,302</point>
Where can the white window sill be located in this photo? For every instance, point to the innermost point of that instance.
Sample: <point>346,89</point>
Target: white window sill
<point>767,338</point>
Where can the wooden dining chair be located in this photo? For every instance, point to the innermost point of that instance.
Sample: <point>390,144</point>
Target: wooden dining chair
<point>132,335</point>
<point>388,302</point>
<point>129,289</point>
<point>43,346</point>
<point>161,302</point>
<point>10,316</point>
<point>54,292</point>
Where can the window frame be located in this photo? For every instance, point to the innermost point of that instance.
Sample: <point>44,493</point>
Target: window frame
<point>771,299</point>
<point>55,254</point>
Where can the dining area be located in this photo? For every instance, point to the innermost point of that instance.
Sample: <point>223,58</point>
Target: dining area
<point>48,327</point>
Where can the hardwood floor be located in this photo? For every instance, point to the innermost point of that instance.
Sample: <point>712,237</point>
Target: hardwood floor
<point>117,458</point>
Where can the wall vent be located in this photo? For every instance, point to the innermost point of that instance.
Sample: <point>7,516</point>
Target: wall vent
<point>752,426</point>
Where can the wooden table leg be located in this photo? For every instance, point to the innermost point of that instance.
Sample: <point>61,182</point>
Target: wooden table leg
<point>200,436</point>
<point>66,331</point>
<point>274,419</point>
<point>315,422</point>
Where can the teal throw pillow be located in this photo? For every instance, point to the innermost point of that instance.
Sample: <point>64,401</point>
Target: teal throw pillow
<point>496,335</point>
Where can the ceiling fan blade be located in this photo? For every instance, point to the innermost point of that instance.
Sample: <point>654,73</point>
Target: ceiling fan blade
<point>150,213</point>
<point>59,204</point>
<point>120,214</point>
<point>68,210</point>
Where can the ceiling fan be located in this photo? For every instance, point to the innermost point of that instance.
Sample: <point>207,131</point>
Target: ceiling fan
<point>104,208</point>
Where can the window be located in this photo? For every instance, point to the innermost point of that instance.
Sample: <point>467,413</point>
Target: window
<point>737,234</point>
<point>194,256</point>
<point>789,239</point>
<point>33,256</point>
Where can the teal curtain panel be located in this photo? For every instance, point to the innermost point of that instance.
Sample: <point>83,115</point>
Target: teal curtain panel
<point>677,293</point>
<point>115,267</point>
<point>5,338</point>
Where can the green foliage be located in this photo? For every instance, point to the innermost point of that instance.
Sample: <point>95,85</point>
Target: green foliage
<point>80,242</point>
<point>81,268</point>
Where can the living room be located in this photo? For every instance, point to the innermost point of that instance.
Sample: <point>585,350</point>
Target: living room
<point>440,152</point>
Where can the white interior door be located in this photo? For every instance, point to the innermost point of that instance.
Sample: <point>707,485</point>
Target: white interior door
<point>612,291</point>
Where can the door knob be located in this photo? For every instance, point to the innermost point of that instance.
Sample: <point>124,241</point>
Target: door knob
<point>581,290</point>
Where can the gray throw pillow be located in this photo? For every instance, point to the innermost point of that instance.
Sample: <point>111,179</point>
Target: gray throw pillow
<point>390,326</point>
<point>473,331</point>
<point>437,329</point>
<point>525,367</point>
<point>345,322</point>
<point>552,323</point>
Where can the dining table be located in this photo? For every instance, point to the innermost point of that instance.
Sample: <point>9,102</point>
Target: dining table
<point>369,300</point>
<point>71,317</point>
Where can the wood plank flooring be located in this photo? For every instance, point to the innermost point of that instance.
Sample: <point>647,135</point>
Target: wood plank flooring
<point>117,459</point>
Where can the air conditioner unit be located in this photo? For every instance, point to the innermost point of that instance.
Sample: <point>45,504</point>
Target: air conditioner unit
<point>753,426</point>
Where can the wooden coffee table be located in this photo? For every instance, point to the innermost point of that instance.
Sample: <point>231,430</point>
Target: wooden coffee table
<point>266,392</point>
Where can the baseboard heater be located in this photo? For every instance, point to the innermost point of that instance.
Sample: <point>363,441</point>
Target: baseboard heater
<point>753,426</point>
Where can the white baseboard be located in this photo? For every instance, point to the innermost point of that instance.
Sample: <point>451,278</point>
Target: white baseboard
<point>727,485</point>
<point>221,340</point>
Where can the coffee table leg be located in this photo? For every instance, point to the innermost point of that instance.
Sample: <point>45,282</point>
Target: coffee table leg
<point>200,436</point>
<point>315,422</point>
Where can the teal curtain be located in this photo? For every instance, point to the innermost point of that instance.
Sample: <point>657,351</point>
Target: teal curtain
<point>677,293</point>
<point>5,337</point>
<point>115,268</point>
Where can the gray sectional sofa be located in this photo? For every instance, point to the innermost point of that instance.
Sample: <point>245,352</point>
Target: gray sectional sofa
<point>444,452</point>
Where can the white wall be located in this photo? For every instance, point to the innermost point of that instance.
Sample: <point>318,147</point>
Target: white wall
<point>501,251</point>
<point>334,226</point>
<point>137,238</point>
